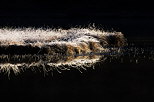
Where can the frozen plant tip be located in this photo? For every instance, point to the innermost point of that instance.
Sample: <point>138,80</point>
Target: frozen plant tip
<point>19,46</point>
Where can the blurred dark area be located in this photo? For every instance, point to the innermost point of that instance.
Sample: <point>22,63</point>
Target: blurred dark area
<point>134,18</point>
<point>107,82</point>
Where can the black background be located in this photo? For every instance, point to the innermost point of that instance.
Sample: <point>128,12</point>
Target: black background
<point>117,82</point>
<point>134,18</point>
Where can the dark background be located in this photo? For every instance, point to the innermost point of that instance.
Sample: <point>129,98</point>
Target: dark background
<point>108,82</point>
<point>133,18</point>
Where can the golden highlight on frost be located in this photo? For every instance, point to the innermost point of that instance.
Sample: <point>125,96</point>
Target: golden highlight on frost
<point>54,47</point>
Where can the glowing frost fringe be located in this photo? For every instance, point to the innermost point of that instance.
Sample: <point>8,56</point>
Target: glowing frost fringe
<point>71,42</point>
